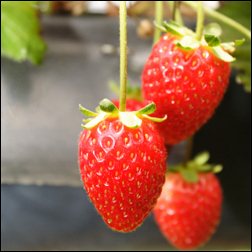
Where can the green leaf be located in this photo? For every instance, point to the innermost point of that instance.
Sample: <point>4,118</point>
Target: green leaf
<point>220,53</point>
<point>213,29</point>
<point>20,38</point>
<point>187,43</point>
<point>190,175</point>
<point>87,112</point>
<point>108,107</point>
<point>212,40</point>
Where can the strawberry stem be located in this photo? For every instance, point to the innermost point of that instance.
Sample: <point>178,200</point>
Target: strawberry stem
<point>123,55</point>
<point>189,147</point>
<point>222,18</point>
<point>158,20</point>
<point>200,21</point>
<point>176,16</point>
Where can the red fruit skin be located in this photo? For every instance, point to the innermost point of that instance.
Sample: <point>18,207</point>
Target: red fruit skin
<point>131,104</point>
<point>123,170</point>
<point>187,86</point>
<point>188,213</point>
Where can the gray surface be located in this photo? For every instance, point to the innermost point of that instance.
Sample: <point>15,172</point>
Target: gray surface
<point>41,121</point>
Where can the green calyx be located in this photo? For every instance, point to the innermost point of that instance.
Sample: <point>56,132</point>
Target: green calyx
<point>108,109</point>
<point>197,165</point>
<point>210,38</point>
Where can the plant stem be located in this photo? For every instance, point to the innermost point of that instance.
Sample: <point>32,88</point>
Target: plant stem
<point>123,55</point>
<point>222,18</point>
<point>174,5</point>
<point>200,21</point>
<point>189,147</point>
<point>158,20</point>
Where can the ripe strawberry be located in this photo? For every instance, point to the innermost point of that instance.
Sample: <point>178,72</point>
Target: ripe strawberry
<point>188,213</point>
<point>122,161</point>
<point>186,81</point>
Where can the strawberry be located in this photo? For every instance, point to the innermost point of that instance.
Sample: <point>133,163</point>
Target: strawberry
<point>186,79</point>
<point>188,213</point>
<point>122,161</point>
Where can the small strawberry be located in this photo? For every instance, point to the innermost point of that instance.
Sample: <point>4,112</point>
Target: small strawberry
<point>122,161</point>
<point>188,213</point>
<point>186,79</point>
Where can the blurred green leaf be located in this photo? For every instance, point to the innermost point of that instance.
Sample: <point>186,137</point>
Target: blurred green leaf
<point>20,28</point>
<point>240,11</point>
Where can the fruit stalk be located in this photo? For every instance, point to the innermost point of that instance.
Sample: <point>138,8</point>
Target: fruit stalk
<point>123,55</point>
<point>200,20</point>
<point>188,152</point>
<point>158,20</point>
<point>174,5</point>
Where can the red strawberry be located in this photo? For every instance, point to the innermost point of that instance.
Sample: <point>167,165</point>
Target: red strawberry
<point>185,82</point>
<point>122,163</point>
<point>188,213</point>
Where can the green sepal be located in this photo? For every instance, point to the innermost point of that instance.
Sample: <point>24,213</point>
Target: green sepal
<point>174,29</point>
<point>221,54</point>
<point>172,22</point>
<point>87,112</point>
<point>238,42</point>
<point>155,119</point>
<point>149,109</point>
<point>187,43</point>
<point>95,120</point>
<point>130,119</point>
<point>213,29</point>
<point>201,158</point>
<point>190,175</point>
<point>217,168</point>
<point>87,120</point>
<point>229,46</point>
<point>108,107</point>
<point>160,27</point>
<point>212,40</point>
<point>197,165</point>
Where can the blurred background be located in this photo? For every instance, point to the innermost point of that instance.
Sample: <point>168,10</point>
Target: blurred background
<point>43,203</point>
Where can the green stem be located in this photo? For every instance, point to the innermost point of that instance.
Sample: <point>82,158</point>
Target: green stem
<point>189,147</point>
<point>173,5</point>
<point>200,21</point>
<point>222,18</point>
<point>123,55</point>
<point>158,20</point>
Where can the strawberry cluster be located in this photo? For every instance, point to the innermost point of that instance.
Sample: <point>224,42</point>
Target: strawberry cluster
<point>122,155</point>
